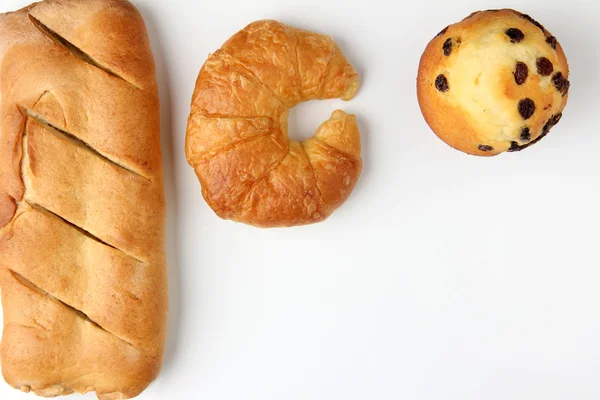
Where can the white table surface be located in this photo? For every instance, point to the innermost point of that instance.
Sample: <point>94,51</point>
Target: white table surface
<point>444,276</point>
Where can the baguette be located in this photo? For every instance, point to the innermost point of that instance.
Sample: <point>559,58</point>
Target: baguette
<point>82,214</point>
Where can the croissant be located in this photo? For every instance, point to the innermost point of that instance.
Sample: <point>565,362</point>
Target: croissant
<point>237,134</point>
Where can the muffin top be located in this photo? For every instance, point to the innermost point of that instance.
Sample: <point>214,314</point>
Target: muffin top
<point>496,81</point>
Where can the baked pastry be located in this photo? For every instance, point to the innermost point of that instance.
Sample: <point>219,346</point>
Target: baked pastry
<point>496,81</point>
<point>82,261</point>
<point>237,135</point>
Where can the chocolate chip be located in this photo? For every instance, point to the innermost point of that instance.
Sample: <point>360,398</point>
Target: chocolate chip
<point>551,40</point>
<point>521,72</point>
<point>443,31</point>
<point>561,83</point>
<point>441,83</point>
<point>447,47</point>
<point>537,139</point>
<point>514,146</point>
<point>485,147</point>
<point>544,66</point>
<point>515,35</point>
<point>525,135</point>
<point>546,128</point>
<point>567,86</point>
<point>533,21</point>
<point>555,119</point>
<point>558,81</point>
<point>526,108</point>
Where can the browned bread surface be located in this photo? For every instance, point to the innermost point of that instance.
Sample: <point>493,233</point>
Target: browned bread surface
<point>496,81</point>
<point>237,139</point>
<point>82,263</point>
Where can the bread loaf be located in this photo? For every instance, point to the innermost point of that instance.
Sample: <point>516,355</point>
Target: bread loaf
<point>237,135</point>
<point>82,263</point>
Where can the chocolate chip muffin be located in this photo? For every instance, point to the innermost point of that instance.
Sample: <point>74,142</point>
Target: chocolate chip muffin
<point>496,81</point>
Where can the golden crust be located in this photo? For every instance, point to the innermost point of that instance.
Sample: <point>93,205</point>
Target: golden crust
<point>237,138</point>
<point>126,51</point>
<point>82,263</point>
<point>479,112</point>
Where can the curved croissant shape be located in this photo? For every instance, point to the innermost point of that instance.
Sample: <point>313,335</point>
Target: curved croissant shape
<point>237,138</point>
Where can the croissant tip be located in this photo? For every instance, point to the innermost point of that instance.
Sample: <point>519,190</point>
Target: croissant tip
<point>351,88</point>
<point>340,114</point>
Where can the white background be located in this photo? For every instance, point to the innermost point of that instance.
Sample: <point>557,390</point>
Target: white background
<point>444,276</point>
